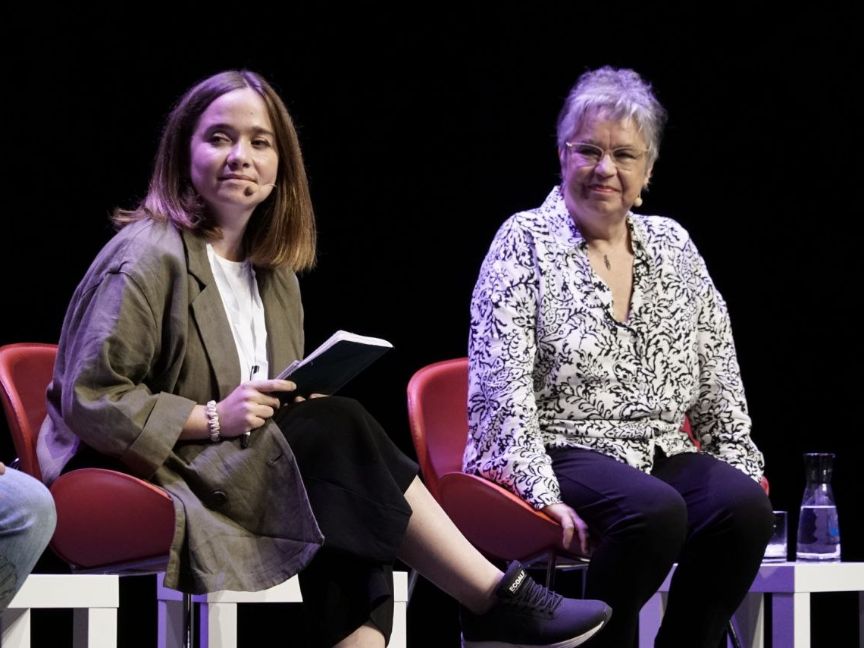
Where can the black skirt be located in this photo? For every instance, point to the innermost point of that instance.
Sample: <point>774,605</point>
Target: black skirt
<point>355,478</point>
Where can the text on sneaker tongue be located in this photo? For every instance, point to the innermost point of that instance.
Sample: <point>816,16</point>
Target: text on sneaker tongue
<point>516,583</point>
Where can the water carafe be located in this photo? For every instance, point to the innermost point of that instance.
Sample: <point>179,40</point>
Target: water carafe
<point>818,527</point>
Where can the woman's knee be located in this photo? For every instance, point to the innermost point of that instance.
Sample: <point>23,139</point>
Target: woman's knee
<point>335,410</point>
<point>721,498</point>
<point>43,517</point>
<point>618,502</point>
<point>747,512</point>
<point>656,517</point>
<point>321,418</point>
<point>318,427</point>
<point>33,512</point>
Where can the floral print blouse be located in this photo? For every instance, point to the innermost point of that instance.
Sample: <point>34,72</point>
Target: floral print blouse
<point>551,367</point>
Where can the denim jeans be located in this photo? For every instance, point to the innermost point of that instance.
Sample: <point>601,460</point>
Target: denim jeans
<point>27,520</point>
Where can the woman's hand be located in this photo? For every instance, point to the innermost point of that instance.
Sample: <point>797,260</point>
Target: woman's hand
<point>572,524</point>
<point>250,405</point>
<point>243,410</point>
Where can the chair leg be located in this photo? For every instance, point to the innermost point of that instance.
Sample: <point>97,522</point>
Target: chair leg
<point>15,626</point>
<point>749,620</point>
<point>95,628</point>
<point>217,625</point>
<point>401,595</point>
<point>733,635</point>
<point>413,576</point>
<point>550,570</point>
<point>188,621</point>
<point>171,624</point>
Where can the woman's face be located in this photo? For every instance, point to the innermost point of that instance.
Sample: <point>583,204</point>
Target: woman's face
<point>604,183</point>
<point>233,155</point>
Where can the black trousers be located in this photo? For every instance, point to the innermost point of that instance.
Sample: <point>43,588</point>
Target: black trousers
<point>355,478</point>
<point>711,518</point>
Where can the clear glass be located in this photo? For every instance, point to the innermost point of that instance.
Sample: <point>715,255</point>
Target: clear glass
<point>625,158</point>
<point>776,551</point>
<point>818,526</point>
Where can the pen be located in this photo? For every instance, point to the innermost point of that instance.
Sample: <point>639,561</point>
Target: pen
<point>244,440</point>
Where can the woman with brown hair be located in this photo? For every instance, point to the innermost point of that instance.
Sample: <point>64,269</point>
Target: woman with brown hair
<point>164,368</point>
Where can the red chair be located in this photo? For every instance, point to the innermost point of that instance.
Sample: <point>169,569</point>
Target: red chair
<point>438,417</point>
<point>437,414</point>
<point>108,522</point>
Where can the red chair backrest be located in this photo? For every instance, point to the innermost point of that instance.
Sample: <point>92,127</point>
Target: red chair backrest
<point>25,371</point>
<point>438,417</point>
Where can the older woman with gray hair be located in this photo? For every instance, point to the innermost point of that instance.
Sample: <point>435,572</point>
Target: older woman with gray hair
<point>596,334</point>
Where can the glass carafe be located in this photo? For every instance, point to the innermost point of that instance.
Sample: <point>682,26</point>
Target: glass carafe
<point>818,527</point>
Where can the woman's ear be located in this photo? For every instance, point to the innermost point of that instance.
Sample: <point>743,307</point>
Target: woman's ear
<point>562,158</point>
<point>647,180</point>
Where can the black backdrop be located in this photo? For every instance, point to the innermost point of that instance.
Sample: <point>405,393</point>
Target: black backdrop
<point>423,129</point>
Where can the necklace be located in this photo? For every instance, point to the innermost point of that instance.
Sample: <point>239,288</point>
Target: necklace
<point>606,261</point>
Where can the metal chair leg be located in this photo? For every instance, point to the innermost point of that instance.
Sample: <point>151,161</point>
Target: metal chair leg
<point>733,635</point>
<point>413,575</point>
<point>550,570</point>
<point>189,621</point>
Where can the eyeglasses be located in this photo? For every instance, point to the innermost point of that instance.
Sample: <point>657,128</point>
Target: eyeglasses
<point>625,158</point>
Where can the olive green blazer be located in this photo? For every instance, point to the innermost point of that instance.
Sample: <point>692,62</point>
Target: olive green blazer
<point>145,339</point>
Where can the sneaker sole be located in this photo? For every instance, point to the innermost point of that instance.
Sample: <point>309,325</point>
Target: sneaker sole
<point>567,643</point>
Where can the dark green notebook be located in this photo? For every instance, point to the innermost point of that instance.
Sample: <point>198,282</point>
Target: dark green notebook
<point>329,367</point>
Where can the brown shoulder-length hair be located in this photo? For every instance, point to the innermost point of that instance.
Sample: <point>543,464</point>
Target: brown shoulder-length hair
<point>282,229</point>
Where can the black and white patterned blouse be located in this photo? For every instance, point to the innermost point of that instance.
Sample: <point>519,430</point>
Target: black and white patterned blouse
<point>550,366</point>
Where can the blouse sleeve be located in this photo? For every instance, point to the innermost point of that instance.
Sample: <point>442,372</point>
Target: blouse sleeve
<point>505,444</point>
<point>719,414</point>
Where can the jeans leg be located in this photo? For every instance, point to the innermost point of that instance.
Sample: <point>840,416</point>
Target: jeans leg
<point>27,520</point>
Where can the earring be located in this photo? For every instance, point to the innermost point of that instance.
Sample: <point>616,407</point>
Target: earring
<point>638,201</point>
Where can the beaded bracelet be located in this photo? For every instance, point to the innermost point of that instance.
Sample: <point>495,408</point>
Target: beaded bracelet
<point>213,421</point>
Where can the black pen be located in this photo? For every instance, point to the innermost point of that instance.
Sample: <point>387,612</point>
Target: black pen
<point>244,440</point>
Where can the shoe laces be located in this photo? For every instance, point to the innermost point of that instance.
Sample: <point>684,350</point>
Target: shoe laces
<point>536,597</point>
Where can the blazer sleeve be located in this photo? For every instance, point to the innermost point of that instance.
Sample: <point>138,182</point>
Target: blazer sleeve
<point>118,342</point>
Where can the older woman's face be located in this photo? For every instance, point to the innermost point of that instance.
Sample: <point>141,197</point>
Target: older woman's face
<point>606,187</point>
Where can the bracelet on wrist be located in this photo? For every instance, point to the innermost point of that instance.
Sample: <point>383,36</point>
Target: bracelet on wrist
<point>213,423</point>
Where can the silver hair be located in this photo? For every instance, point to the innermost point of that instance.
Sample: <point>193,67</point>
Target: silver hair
<point>618,94</point>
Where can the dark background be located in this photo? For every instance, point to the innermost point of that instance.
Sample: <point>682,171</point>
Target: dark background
<point>423,129</point>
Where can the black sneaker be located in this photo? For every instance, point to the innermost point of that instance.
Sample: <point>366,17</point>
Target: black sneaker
<point>526,614</point>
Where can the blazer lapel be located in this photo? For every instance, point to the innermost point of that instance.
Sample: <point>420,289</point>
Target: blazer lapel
<point>280,349</point>
<point>208,315</point>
